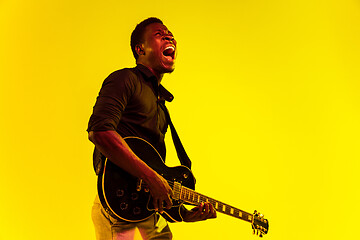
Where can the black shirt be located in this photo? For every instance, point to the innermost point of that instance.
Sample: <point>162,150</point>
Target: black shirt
<point>129,103</point>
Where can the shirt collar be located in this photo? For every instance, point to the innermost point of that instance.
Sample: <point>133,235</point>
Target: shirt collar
<point>145,71</point>
<point>149,76</point>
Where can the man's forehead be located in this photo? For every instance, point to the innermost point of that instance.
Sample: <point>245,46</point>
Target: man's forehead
<point>157,26</point>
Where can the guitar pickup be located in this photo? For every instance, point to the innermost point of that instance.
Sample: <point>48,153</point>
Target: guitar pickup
<point>176,190</point>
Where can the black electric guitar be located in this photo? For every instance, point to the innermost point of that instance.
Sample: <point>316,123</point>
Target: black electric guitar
<point>128,198</point>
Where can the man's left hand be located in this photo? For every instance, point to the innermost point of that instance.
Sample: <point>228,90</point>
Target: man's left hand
<point>199,213</point>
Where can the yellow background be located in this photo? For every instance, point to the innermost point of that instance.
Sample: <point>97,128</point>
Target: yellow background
<point>266,104</point>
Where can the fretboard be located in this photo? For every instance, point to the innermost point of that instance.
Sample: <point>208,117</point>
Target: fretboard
<point>190,196</point>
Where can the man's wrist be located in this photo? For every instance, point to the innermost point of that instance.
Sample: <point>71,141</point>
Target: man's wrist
<point>184,213</point>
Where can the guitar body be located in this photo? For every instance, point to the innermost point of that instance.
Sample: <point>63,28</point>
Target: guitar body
<point>127,197</point>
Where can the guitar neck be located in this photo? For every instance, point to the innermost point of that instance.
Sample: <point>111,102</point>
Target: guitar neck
<point>190,196</point>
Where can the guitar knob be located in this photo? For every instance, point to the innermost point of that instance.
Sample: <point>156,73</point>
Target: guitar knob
<point>185,175</point>
<point>123,206</point>
<point>146,189</point>
<point>136,210</point>
<point>119,193</point>
<point>134,196</point>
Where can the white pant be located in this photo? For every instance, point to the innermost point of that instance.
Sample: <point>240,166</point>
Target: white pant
<point>109,228</point>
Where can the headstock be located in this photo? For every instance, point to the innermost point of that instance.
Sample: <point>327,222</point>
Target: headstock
<point>259,224</point>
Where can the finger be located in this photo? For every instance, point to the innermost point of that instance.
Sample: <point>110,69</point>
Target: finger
<point>155,203</point>
<point>171,192</point>
<point>196,212</point>
<point>206,207</point>
<point>205,212</point>
<point>212,212</point>
<point>160,204</point>
<point>211,208</point>
<point>168,202</point>
<point>208,211</point>
<point>214,215</point>
<point>200,209</point>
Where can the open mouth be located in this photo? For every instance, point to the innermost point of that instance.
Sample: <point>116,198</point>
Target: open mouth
<point>169,53</point>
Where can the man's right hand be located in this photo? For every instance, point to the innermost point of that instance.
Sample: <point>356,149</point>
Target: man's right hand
<point>160,191</point>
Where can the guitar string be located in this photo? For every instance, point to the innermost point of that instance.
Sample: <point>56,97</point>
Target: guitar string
<point>190,195</point>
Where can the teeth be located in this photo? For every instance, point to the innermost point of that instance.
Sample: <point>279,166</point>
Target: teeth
<point>170,47</point>
<point>169,52</point>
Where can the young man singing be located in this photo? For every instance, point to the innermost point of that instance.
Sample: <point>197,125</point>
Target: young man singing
<point>128,105</point>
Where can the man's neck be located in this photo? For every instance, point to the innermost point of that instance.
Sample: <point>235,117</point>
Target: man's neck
<point>158,76</point>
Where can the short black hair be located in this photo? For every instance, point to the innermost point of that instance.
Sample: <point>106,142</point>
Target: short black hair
<point>137,36</point>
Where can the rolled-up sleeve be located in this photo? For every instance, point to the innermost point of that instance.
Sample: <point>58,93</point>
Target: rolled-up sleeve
<point>113,97</point>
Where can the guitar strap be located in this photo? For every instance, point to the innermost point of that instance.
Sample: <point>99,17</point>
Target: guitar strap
<point>99,158</point>
<point>183,157</point>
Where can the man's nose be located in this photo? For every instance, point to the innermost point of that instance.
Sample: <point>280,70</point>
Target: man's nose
<point>169,38</point>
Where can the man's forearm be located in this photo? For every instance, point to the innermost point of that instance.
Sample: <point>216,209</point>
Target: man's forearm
<point>114,147</point>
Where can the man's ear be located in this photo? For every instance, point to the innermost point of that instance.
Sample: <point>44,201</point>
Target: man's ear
<point>139,50</point>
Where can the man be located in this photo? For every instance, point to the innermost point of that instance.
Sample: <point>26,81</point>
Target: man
<point>129,105</point>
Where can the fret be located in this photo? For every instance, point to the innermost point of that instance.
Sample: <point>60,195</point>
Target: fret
<point>181,194</point>
<point>190,196</point>
<point>239,213</point>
